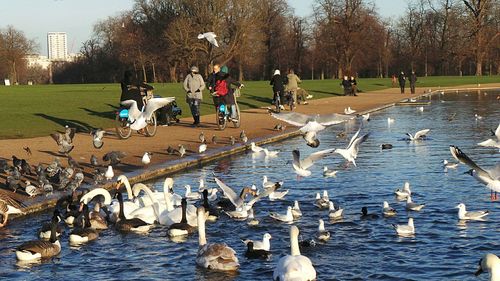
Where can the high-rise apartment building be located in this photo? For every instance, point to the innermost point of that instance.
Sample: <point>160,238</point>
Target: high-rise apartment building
<point>57,46</point>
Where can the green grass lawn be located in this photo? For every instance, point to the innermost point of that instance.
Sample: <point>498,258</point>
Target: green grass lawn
<point>29,111</point>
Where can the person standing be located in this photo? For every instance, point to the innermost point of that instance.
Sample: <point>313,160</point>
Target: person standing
<point>394,80</point>
<point>354,86</point>
<point>194,85</point>
<point>278,87</point>
<point>293,84</point>
<point>402,81</point>
<point>346,84</point>
<point>413,81</point>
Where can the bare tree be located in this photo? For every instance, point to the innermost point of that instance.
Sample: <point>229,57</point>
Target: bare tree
<point>14,47</point>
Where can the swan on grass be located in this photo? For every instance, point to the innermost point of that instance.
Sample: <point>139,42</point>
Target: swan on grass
<point>214,256</point>
<point>294,266</point>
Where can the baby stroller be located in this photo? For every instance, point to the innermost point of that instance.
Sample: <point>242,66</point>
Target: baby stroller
<point>168,114</point>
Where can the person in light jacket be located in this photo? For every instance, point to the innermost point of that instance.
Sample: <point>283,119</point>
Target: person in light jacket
<point>194,85</point>
<point>292,84</point>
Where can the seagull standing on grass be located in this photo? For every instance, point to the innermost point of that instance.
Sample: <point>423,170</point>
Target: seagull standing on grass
<point>210,36</point>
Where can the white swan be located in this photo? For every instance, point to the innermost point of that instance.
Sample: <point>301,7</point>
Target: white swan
<point>171,215</point>
<point>148,214</point>
<point>215,256</point>
<point>294,266</point>
<point>128,206</point>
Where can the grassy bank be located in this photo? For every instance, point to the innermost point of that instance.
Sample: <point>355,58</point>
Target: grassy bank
<point>29,111</point>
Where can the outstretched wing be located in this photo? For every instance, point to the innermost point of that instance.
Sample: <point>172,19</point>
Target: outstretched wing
<point>421,133</point>
<point>294,118</point>
<point>332,119</point>
<point>461,157</point>
<point>353,138</point>
<point>357,142</point>
<point>309,161</point>
<point>57,137</point>
<point>497,132</point>
<point>229,192</point>
<point>133,110</point>
<point>156,103</point>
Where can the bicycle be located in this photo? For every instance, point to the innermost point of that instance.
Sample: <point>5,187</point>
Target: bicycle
<point>288,100</point>
<point>122,121</point>
<point>223,113</point>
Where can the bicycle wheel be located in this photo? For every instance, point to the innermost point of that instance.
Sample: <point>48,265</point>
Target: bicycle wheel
<point>220,119</point>
<point>151,126</point>
<point>237,123</point>
<point>277,102</point>
<point>122,127</point>
<point>291,104</point>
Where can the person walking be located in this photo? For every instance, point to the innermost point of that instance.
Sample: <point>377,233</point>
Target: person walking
<point>292,84</point>
<point>346,84</point>
<point>354,86</point>
<point>278,87</point>
<point>402,81</point>
<point>394,80</point>
<point>413,81</point>
<point>194,85</point>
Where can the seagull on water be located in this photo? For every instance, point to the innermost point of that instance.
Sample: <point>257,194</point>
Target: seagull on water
<point>490,178</point>
<point>405,229</point>
<point>210,36</point>
<point>311,124</point>
<point>420,135</point>
<point>301,166</point>
<point>350,153</point>
<point>475,215</point>
<point>348,110</point>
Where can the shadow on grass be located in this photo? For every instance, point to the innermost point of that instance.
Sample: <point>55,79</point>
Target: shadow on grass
<point>106,114</point>
<point>79,125</point>
<point>325,92</point>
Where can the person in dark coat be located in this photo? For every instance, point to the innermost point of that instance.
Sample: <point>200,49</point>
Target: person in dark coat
<point>278,86</point>
<point>346,84</point>
<point>226,95</point>
<point>210,83</point>
<point>354,86</point>
<point>413,81</point>
<point>402,81</point>
<point>132,90</point>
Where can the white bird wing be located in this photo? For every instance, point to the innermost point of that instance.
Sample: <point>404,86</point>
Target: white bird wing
<point>156,103</point>
<point>133,110</point>
<point>355,144</point>
<point>229,192</point>
<point>312,126</point>
<point>488,143</point>
<point>461,157</point>
<point>201,36</point>
<point>421,133</point>
<point>353,138</point>
<point>495,172</point>
<point>497,132</point>
<point>293,118</point>
<point>332,119</point>
<point>309,161</point>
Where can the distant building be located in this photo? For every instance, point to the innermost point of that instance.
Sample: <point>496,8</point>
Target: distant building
<point>57,46</point>
<point>38,60</point>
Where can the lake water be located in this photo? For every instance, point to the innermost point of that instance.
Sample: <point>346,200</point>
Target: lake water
<point>442,249</point>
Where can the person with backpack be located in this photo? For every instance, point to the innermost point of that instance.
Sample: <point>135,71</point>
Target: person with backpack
<point>194,85</point>
<point>223,92</point>
<point>278,87</point>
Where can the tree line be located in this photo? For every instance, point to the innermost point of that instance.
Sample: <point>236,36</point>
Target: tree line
<point>158,40</point>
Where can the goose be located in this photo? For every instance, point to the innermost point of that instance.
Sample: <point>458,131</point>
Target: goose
<point>96,220</point>
<point>489,263</point>
<point>412,206</point>
<point>490,178</point>
<point>146,158</point>
<point>366,215</point>
<point>449,165</point>
<point>475,215</point>
<point>139,118</point>
<point>387,210</point>
<point>322,234</point>
<point>109,173</point>
<point>213,214</point>
<point>420,135</point>
<point>251,220</point>
<point>38,249</point>
<point>255,148</point>
<point>85,233</point>
<point>404,192</point>
<point>202,148</point>
<point>334,213</point>
<point>349,110</point>
<point>405,229</point>
<point>181,228</point>
<point>350,153</point>
<point>46,230</point>
<point>294,266</point>
<point>252,253</point>
<point>492,142</point>
<point>301,166</point>
<point>265,244</point>
<point>288,217</point>
<point>311,124</point>
<point>329,173</point>
<point>214,256</point>
<point>191,195</point>
<point>13,205</point>
<point>296,212</point>
<point>134,224</point>
<point>322,201</point>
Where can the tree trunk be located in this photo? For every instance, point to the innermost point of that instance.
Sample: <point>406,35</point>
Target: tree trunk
<point>154,72</point>
<point>240,70</point>
<point>173,73</point>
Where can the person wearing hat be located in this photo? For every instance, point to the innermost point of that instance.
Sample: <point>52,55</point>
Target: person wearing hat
<point>194,85</point>
<point>223,91</point>
<point>278,87</point>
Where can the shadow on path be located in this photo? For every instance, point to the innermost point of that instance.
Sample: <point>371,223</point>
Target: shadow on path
<point>79,125</point>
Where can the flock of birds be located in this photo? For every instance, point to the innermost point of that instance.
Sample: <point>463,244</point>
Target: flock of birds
<point>89,211</point>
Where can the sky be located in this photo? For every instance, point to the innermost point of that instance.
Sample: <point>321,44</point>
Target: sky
<point>77,17</point>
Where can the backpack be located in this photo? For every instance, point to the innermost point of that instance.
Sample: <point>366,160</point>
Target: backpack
<point>221,87</point>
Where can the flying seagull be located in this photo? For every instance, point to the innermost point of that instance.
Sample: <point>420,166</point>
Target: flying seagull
<point>492,142</point>
<point>210,36</point>
<point>420,135</point>
<point>301,166</point>
<point>311,124</point>
<point>139,118</point>
<point>350,153</point>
